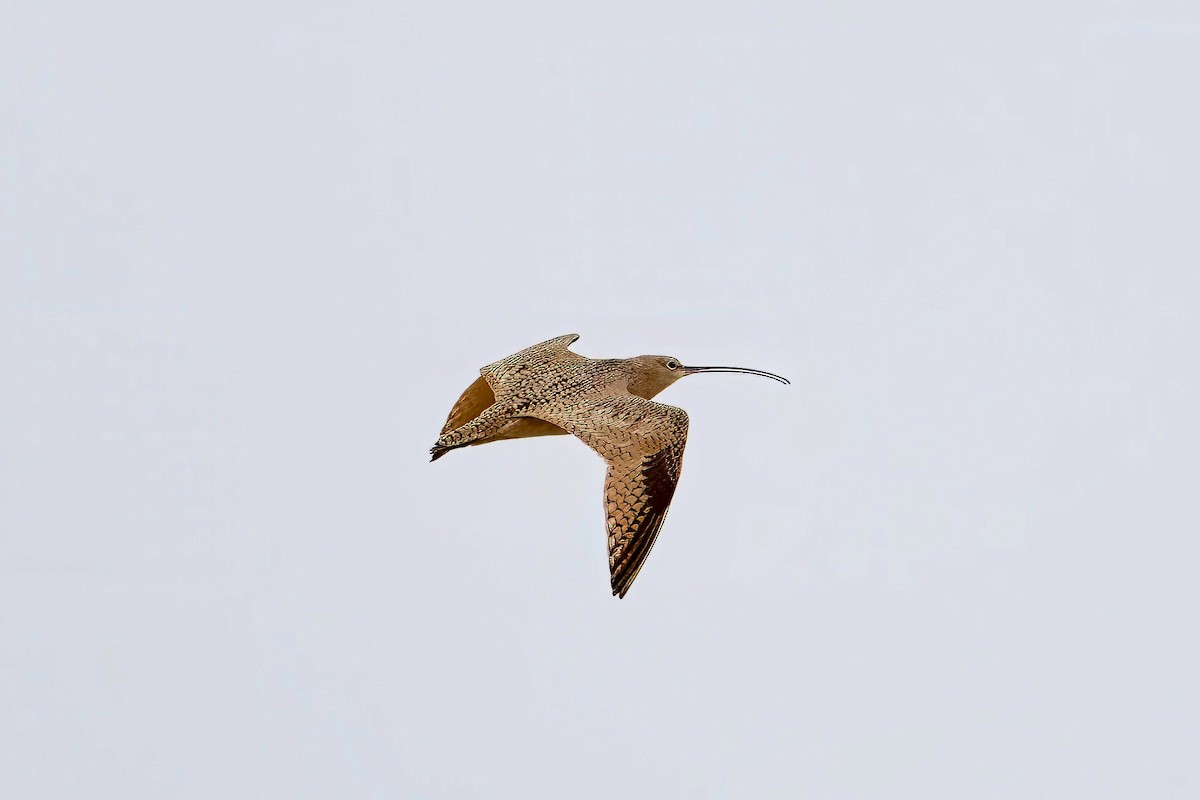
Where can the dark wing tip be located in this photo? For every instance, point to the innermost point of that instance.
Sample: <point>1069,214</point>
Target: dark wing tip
<point>626,570</point>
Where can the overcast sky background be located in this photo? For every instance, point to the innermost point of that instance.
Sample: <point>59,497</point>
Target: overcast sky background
<point>250,253</point>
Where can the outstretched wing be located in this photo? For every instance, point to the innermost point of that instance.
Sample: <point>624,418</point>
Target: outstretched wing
<point>637,493</point>
<point>643,442</point>
<point>482,393</point>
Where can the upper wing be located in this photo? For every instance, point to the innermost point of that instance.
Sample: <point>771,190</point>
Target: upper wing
<point>482,393</point>
<point>643,442</point>
<point>509,368</point>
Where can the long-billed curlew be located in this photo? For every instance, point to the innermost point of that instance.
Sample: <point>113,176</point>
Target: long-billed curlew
<point>546,390</point>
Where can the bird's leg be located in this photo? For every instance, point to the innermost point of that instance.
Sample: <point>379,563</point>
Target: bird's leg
<point>486,424</point>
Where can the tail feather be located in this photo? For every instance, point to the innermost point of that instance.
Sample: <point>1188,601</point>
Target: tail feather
<point>437,451</point>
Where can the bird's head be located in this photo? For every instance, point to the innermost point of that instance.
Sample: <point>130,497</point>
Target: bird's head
<point>655,373</point>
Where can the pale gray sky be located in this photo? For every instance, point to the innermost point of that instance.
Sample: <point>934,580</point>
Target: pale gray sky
<point>251,252</point>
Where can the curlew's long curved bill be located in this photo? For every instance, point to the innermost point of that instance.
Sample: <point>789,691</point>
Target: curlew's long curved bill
<point>747,370</point>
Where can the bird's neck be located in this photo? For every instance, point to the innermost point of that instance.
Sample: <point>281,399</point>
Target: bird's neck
<point>643,382</point>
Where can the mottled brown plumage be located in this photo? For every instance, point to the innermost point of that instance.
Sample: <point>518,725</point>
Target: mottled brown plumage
<point>546,390</point>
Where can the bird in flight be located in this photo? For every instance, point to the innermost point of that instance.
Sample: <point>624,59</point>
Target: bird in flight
<point>547,390</point>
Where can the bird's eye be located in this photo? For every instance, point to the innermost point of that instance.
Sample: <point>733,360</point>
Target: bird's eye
<point>672,364</point>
